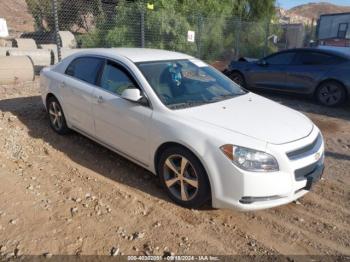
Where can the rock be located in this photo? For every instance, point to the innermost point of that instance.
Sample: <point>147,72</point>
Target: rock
<point>296,202</point>
<point>74,210</point>
<point>168,254</point>
<point>10,255</point>
<point>13,221</point>
<point>87,195</point>
<point>2,248</point>
<point>47,255</point>
<point>114,251</point>
<point>17,252</point>
<point>135,248</point>
<point>185,239</point>
<point>109,210</point>
<point>301,219</point>
<point>157,224</point>
<point>77,200</point>
<point>252,244</point>
<point>30,187</point>
<point>138,235</point>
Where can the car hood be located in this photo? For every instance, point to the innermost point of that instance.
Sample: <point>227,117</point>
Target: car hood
<point>254,116</point>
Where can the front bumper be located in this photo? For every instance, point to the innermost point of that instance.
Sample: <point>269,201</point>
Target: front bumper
<point>253,190</point>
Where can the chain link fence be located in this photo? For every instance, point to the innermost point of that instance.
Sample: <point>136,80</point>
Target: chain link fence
<point>63,26</point>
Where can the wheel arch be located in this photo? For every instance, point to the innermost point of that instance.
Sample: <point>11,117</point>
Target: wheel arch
<point>169,144</point>
<point>48,96</point>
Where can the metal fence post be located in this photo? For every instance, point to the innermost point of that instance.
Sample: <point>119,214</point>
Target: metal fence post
<point>57,37</point>
<point>199,35</point>
<point>237,37</point>
<point>142,28</point>
<point>266,44</point>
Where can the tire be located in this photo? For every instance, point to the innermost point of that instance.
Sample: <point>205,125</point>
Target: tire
<point>331,93</point>
<point>238,78</point>
<point>56,116</point>
<point>189,188</point>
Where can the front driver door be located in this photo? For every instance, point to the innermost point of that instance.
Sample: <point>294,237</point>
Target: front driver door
<point>121,124</point>
<point>272,74</point>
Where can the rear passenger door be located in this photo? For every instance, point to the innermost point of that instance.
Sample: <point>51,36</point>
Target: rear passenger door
<point>81,78</point>
<point>307,69</point>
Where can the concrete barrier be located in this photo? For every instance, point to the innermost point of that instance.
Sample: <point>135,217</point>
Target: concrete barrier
<point>67,51</point>
<point>3,50</point>
<point>67,39</point>
<point>53,48</point>
<point>39,57</point>
<point>5,42</point>
<point>15,69</point>
<point>24,43</point>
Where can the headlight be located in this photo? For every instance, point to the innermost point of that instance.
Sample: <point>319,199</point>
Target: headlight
<point>250,159</point>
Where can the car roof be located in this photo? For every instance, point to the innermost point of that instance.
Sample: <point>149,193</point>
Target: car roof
<point>137,54</point>
<point>325,51</point>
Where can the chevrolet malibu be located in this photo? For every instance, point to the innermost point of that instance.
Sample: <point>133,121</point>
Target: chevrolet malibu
<point>203,135</point>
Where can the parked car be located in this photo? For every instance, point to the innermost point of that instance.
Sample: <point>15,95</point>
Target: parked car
<point>323,74</point>
<point>202,134</point>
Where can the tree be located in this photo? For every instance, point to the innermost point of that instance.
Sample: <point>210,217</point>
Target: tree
<point>74,15</point>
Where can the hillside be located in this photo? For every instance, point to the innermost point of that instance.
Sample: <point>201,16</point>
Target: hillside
<point>16,14</point>
<point>314,10</point>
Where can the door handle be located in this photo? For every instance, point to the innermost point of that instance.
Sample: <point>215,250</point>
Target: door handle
<point>99,99</point>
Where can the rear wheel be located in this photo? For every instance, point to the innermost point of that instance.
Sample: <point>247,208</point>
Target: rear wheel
<point>183,177</point>
<point>56,116</point>
<point>238,78</point>
<point>331,93</point>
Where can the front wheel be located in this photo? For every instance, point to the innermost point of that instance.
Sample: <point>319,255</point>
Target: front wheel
<point>331,93</point>
<point>238,78</point>
<point>183,177</point>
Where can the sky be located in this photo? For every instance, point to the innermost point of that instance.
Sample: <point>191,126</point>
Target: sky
<point>286,4</point>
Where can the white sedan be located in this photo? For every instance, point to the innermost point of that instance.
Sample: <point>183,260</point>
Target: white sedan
<point>181,119</point>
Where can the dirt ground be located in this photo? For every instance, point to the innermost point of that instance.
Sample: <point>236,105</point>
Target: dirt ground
<point>68,195</point>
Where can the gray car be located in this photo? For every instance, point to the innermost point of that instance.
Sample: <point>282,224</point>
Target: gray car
<point>323,74</point>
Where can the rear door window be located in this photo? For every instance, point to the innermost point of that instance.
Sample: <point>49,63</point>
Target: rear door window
<point>281,58</point>
<point>86,69</point>
<point>316,58</point>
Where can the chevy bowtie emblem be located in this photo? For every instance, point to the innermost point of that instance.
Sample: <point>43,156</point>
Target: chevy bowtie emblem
<point>317,156</point>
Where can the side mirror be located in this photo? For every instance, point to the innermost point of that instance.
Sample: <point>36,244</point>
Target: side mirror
<point>262,62</point>
<point>132,94</point>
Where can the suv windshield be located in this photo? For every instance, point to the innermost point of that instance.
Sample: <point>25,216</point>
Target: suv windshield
<point>187,83</point>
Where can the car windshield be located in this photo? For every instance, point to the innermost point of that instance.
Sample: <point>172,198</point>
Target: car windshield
<point>188,83</point>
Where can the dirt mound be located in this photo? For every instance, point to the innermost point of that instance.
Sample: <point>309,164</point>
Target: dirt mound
<point>17,16</point>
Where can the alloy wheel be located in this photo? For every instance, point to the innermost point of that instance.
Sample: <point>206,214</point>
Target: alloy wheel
<point>330,94</point>
<point>180,177</point>
<point>56,116</point>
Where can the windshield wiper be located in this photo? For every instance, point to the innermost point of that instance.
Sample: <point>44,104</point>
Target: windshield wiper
<point>187,104</point>
<point>225,97</point>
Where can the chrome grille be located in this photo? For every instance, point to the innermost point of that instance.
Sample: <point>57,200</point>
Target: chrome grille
<point>306,150</point>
